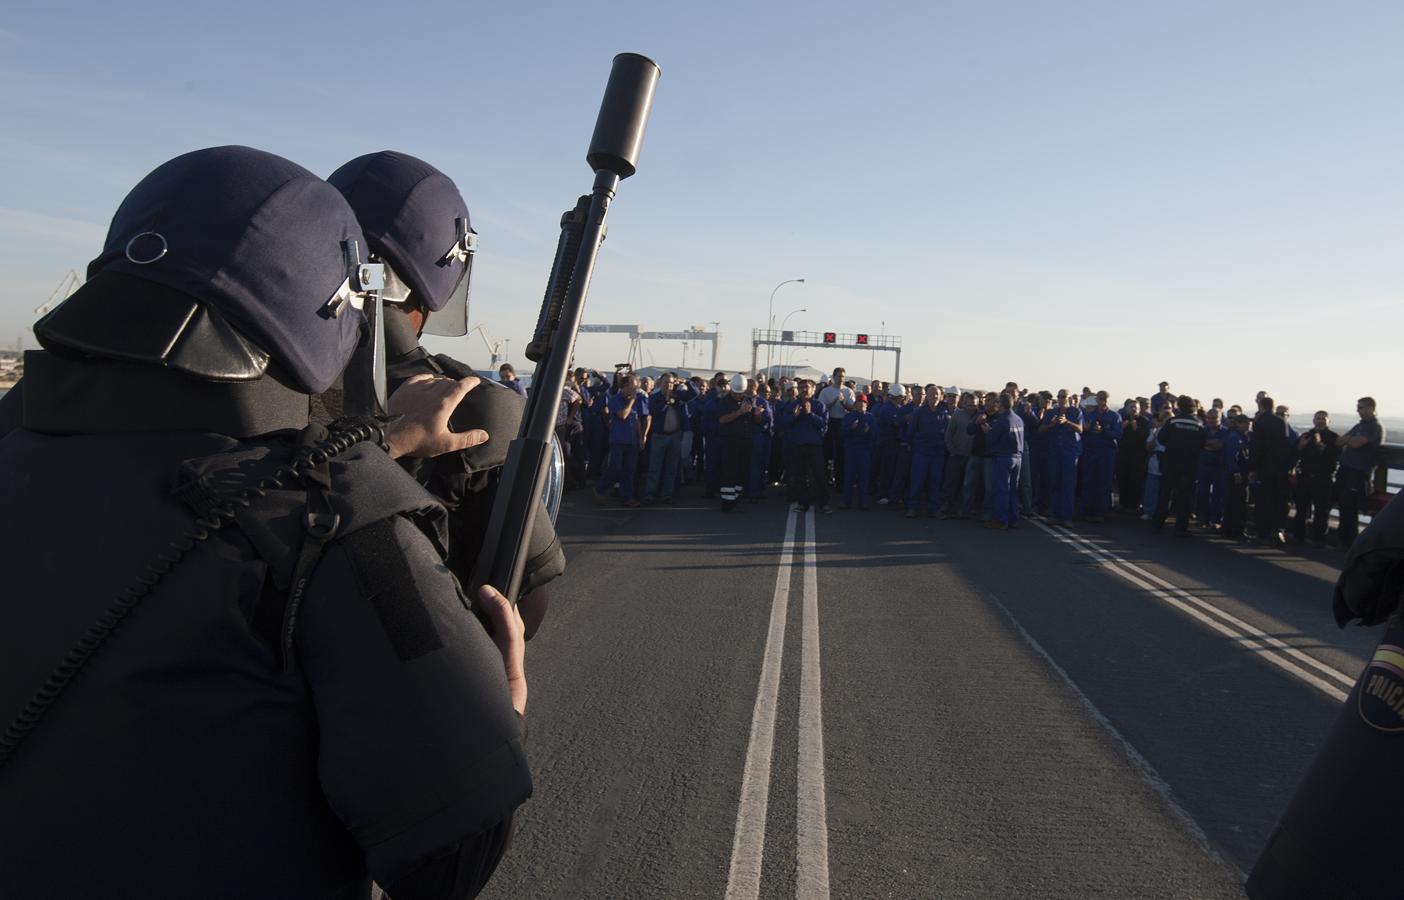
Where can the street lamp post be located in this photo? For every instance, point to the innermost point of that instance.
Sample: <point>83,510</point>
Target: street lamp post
<point>770,314</point>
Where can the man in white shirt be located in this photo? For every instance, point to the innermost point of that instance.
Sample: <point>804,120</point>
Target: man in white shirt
<point>838,399</point>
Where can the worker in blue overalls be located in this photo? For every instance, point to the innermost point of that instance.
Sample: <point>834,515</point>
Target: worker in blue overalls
<point>711,436</point>
<point>762,424</point>
<point>1211,477</point>
<point>859,431</point>
<point>902,468</point>
<point>1063,425</point>
<point>1101,432</point>
<point>1004,439</point>
<point>889,436</point>
<point>928,438</point>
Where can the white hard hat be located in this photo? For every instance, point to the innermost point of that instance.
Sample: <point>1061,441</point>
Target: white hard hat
<point>895,389</point>
<point>739,383</point>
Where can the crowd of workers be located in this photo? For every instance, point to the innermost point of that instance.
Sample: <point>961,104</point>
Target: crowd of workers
<point>995,456</point>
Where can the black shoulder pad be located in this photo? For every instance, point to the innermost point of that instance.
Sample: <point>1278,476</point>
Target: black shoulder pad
<point>498,411</point>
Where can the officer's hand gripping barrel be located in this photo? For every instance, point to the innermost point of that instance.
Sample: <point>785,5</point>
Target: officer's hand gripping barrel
<point>613,155</point>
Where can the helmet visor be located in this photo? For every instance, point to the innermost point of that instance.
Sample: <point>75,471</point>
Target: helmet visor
<point>451,320</point>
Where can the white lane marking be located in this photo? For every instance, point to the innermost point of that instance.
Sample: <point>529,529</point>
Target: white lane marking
<point>748,845</point>
<point>1276,643</point>
<point>1268,647</point>
<point>1148,772</point>
<point>812,819</point>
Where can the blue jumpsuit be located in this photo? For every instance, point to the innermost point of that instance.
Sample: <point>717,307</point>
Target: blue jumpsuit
<point>1099,459</point>
<point>928,434</point>
<point>711,446</point>
<point>902,465</point>
<point>760,448</point>
<point>889,433</point>
<point>1212,476</point>
<point>859,431</point>
<point>1005,440</point>
<point>1064,447</point>
<point>623,447</point>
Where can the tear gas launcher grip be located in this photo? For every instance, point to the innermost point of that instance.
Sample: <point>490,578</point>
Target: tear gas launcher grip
<point>613,155</point>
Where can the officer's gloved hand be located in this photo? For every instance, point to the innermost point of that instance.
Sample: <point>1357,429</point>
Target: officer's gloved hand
<point>424,404</point>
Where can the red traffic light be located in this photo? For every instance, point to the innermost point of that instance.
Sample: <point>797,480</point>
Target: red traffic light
<point>830,337</point>
<point>862,339</point>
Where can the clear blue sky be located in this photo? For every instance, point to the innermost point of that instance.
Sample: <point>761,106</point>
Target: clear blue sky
<point>1063,193</point>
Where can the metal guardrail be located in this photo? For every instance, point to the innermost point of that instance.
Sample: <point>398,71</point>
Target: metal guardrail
<point>1389,477</point>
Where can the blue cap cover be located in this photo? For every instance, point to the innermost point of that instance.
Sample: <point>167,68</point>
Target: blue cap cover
<point>408,211</point>
<point>257,238</point>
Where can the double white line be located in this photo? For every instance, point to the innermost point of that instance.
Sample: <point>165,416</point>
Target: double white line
<point>812,830</point>
<point>1302,666</point>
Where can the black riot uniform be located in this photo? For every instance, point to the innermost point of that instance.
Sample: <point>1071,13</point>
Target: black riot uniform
<point>1183,438</point>
<point>232,662</point>
<point>1271,455</point>
<point>1339,836</point>
<point>415,220</point>
<point>1314,491</point>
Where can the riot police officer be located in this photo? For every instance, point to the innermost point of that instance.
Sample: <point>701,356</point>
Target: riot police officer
<point>416,222</point>
<point>231,659</point>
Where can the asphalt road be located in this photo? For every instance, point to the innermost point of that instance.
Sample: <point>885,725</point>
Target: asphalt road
<point>885,707</point>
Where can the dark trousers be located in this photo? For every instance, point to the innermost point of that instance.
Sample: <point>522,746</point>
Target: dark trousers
<point>574,450</point>
<point>777,459</point>
<point>733,466</point>
<point>886,466</point>
<point>807,482</point>
<point>1313,497</point>
<point>1097,465</point>
<point>1236,518</point>
<point>1004,475</point>
<point>1176,486</point>
<point>928,471</point>
<point>1270,503</point>
<point>760,458</point>
<point>1350,495</point>
<point>1212,484</point>
<point>623,468</point>
<point>1130,476</point>
<point>1062,482</point>
<point>901,473</point>
<point>857,469</point>
<point>711,461</point>
<point>954,478</point>
<point>597,440</point>
<point>833,448</point>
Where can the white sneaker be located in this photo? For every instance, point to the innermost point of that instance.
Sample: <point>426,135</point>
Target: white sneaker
<point>796,507</point>
<point>1146,517</point>
<point>882,501</point>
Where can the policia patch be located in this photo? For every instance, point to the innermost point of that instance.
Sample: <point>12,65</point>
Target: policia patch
<point>1381,696</point>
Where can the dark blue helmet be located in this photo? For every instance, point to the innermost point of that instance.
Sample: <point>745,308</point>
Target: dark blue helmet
<point>218,263</point>
<point>416,222</point>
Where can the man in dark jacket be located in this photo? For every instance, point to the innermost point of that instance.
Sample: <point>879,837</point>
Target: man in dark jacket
<point>1270,456</point>
<point>1316,469</point>
<point>1183,439</point>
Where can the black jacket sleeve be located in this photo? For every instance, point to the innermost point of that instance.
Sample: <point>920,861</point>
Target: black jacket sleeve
<point>419,747</point>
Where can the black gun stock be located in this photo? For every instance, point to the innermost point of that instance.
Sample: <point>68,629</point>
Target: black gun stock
<point>613,155</point>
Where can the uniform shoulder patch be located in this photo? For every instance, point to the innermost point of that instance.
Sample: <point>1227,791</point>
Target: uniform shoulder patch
<point>384,576</point>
